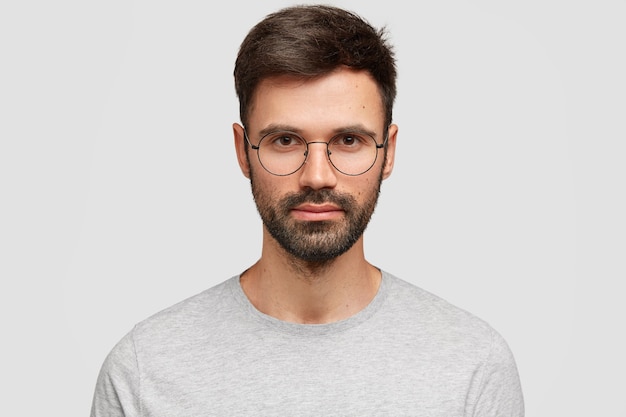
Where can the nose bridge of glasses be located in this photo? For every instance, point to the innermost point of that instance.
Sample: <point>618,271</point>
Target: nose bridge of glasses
<point>308,145</point>
<point>321,161</point>
<point>317,169</point>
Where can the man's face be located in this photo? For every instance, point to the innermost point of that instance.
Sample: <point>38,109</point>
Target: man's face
<point>317,213</point>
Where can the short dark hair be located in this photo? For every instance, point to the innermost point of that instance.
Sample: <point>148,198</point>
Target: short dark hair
<point>308,41</point>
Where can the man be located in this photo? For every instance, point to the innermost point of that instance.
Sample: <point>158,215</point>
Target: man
<point>312,328</point>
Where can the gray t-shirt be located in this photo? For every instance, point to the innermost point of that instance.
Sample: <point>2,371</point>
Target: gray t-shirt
<point>408,353</point>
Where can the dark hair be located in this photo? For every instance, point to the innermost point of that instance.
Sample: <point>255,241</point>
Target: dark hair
<point>310,41</point>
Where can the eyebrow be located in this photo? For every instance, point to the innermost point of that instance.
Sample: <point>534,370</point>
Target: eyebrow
<point>354,128</point>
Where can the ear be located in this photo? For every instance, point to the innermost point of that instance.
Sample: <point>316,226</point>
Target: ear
<point>240,148</point>
<point>391,150</point>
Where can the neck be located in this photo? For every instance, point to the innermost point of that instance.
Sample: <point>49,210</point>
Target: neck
<point>300,291</point>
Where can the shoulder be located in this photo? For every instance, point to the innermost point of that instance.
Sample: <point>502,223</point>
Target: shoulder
<point>427,314</point>
<point>175,331</point>
<point>183,317</point>
<point>413,300</point>
<point>452,334</point>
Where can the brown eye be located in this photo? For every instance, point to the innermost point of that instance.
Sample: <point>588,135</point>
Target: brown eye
<point>283,141</point>
<point>348,141</point>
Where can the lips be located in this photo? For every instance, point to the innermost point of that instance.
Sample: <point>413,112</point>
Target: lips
<point>317,212</point>
<point>317,208</point>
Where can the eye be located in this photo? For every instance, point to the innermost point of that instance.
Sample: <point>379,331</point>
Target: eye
<point>283,141</point>
<point>348,141</point>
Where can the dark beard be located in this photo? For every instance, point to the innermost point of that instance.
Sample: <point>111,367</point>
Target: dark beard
<point>315,242</point>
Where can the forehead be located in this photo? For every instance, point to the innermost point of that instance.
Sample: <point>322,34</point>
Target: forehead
<point>342,98</point>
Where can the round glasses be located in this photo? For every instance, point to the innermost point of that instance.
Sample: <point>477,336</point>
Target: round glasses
<point>283,153</point>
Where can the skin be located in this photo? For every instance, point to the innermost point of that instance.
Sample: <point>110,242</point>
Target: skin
<point>280,284</point>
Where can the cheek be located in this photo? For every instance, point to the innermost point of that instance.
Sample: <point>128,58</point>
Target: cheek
<point>268,187</point>
<point>365,188</point>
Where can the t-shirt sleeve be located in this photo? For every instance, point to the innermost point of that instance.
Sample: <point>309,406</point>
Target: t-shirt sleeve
<point>499,387</point>
<point>117,386</point>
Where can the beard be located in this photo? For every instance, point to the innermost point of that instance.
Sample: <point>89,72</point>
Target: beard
<point>315,242</point>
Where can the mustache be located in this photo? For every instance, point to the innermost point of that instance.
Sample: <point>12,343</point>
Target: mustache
<point>344,201</point>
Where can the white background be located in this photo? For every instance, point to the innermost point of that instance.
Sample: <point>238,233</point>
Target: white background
<point>121,195</point>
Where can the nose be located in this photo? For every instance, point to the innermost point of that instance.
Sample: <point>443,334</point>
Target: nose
<point>317,172</point>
